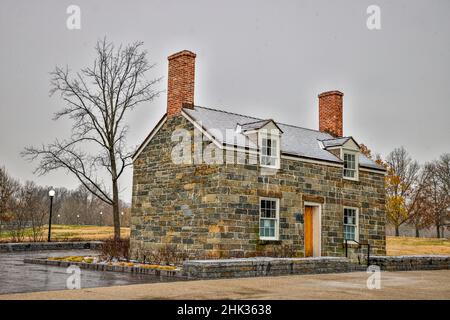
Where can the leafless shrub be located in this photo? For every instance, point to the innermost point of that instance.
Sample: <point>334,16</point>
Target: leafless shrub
<point>114,248</point>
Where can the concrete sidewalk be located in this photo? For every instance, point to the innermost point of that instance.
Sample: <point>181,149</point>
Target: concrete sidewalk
<point>346,286</point>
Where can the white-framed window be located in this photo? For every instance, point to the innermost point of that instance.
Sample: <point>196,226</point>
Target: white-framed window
<point>351,224</point>
<point>269,151</point>
<point>268,218</point>
<point>350,165</point>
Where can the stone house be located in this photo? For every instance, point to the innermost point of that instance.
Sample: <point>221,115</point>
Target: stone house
<point>230,185</point>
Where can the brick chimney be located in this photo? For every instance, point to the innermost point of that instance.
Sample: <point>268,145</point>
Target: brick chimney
<point>330,113</point>
<point>180,87</point>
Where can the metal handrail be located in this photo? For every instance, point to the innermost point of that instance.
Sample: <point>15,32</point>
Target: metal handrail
<point>359,246</point>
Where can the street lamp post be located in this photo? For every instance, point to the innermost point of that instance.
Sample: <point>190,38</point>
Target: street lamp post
<point>51,194</point>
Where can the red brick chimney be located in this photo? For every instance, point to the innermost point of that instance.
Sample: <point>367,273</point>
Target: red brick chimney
<point>180,87</point>
<point>330,113</point>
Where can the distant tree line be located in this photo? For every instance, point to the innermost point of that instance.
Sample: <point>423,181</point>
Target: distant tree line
<point>24,208</point>
<point>416,195</point>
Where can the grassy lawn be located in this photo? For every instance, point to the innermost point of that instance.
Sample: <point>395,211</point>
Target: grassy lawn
<point>414,246</point>
<point>72,233</point>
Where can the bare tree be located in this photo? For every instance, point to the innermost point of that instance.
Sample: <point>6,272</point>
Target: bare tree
<point>8,187</point>
<point>98,99</point>
<point>8,191</point>
<point>420,211</point>
<point>32,206</point>
<point>443,172</point>
<point>402,187</point>
<point>438,199</point>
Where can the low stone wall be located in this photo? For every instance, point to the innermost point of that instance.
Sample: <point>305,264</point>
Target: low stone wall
<point>406,263</point>
<point>36,246</point>
<point>106,267</point>
<point>264,266</point>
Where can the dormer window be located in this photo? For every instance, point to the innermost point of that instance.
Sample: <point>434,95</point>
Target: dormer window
<point>350,165</point>
<point>267,135</point>
<point>347,150</point>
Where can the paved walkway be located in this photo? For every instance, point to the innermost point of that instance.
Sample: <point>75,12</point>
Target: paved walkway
<point>394,285</point>
<point>17,276</point>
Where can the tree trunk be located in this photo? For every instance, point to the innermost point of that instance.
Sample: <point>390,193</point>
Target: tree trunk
<point>397,232</point>
<point>417,232</point>
<point>438,231</point>
<point>116,215</point>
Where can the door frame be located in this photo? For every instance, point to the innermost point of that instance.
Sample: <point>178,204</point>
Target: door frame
<point>317,226</point>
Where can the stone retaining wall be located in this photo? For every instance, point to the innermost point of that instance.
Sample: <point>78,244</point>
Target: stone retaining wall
<point>36,246</point>
<point>406,263</point>
<point>107,267</point>
<point>265,266</point>
<point>253,267</point>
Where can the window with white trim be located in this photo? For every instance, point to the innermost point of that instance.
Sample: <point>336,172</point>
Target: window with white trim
<point>350,165</point>
<point>351,224</point>
<point>269,152</point>
<point>268,218</point>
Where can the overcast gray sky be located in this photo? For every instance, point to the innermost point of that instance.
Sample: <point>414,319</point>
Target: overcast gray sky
<point>268,59</point>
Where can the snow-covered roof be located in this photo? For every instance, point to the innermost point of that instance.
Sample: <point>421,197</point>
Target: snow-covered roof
<point>295,141</point>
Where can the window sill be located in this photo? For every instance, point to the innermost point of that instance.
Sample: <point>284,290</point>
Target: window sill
<point>265,241</point>
<point>269,167</point>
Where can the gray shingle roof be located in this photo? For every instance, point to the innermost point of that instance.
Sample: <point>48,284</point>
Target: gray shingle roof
<point>254,125</point>
<point>335,142</point>
<point>296,141</point>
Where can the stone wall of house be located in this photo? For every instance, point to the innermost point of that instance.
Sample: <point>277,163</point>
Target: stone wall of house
<point>294,184</point>
<point>214,209</point>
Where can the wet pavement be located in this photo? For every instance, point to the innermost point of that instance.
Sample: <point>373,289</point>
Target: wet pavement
<point>17,276</point>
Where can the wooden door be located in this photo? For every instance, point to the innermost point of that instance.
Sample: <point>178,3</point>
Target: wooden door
<point>309,234</point>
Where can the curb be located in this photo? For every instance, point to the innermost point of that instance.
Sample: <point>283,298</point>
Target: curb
<point>106,267</point>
